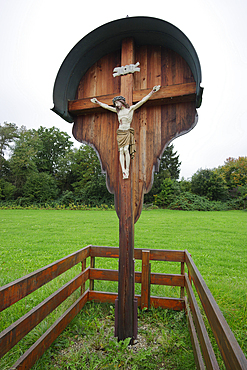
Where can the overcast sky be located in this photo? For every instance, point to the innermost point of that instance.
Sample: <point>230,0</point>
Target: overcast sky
<point>37,35</point>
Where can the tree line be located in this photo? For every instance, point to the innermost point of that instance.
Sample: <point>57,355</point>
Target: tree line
<point>41,166</point>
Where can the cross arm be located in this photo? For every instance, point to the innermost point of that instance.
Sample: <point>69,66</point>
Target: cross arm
<point>166,95</point>
<point>145,98</point>
<point>85,106</point>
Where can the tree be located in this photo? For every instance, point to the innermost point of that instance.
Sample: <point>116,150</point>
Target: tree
<point>8,132</point>
<point>169,163</point>
<point>169,168</point>
<point>22,162</point>
<point>184,185</point>
<point>234,172</point>
<point>209,184</point>
<point>53,147</point>
<point>40,187</point>
<point>87,180</point>
<point>7,190</point>
<point>38,151</point>
<point>64,176</point>
<point>169,189</point>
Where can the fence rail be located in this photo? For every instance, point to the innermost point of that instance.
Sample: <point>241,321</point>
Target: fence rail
<point>205,358</point>
<point>231,352</point>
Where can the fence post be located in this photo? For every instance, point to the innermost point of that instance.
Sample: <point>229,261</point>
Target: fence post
<point>92,265</point>
<point>145,290</point>
<point>83,267</point>
<point>182,287</point>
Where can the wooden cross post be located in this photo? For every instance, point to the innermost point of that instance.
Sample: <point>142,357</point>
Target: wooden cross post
<point>126,278</point>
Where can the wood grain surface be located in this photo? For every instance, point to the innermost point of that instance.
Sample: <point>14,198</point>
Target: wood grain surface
<point>169,113</point>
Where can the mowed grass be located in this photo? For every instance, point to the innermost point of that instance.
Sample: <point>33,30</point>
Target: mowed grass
<point>217,241</point>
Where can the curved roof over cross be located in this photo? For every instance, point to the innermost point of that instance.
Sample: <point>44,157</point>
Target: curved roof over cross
<point>106,39</point>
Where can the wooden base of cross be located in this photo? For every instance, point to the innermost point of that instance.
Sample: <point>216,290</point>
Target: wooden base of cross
<point>126,271</point>
<point>135,324</point>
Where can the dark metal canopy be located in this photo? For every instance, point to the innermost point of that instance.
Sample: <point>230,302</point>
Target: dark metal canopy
<point>106,39</point>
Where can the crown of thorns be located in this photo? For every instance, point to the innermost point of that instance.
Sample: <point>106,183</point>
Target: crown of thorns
<point>117,98</point>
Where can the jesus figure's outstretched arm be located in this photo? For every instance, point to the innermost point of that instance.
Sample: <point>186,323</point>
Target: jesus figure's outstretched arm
<point>103,105</point>
<point>139,104</point>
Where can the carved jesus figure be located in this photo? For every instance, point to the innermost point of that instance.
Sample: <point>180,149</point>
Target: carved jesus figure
<point>125,133</point>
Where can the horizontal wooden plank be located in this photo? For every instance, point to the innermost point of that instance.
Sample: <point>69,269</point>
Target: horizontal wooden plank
<point>108,297</point>
<point>85,106</point>
<point>176,304</point>
<point>104,297</point>
<point>156,278</point>
<point>28,359</point>
<point>138,277</point>
<point>166,255</point>
<point>206,346</point>
<point>99,251</point>
<point>155,254</point>
<point>162,255</point>
<point>102,274</point>
<point>110,275</point>
<point>162,279</point>
<point>194,340</point>
<point>231,352</point>
<point>20,288</point>
<point>16,331</point>
<point>166,95</point>
<point>167,279</point>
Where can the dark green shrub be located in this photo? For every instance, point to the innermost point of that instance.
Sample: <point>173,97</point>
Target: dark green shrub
<point>7,190</point>
<point>169,188</point>
<point>192,202</point>
<point>66,198</point>
<point>209,184</point>
<point>39,188</point>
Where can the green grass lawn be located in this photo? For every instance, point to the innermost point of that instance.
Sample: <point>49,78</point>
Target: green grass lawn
<point>217,241</point>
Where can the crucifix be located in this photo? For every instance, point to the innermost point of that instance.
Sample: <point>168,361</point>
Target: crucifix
<point>125,134</point>
<point>155,126</point>
<point>149,89</point>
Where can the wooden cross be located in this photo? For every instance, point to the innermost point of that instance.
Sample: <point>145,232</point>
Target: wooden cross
<point>169,113</point>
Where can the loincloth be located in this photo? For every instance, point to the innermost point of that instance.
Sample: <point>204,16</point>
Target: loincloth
<point>126,137</point>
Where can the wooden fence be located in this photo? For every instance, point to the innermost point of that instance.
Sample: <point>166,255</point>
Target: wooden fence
<point>205,358</point>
